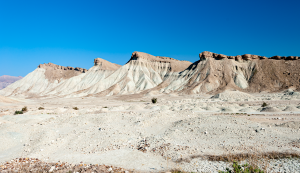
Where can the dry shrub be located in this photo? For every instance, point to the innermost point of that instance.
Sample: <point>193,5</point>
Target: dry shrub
<point>154,100</point>
<point>255,156</point>
<point>255,159</point>
<point>24,109</point>
<point>41,108</point>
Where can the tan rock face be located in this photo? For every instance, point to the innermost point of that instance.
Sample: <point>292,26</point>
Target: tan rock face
<point>205,55</point>
<point>276,57</point>
<point>54,66</point>
<point>221,56</point>
<point>263,57</point>
<point>238,58</point>
<point>174,64</point>
<point>82,70</point>
<point>247,57</point>
<point>56,72</point>
<point>290,58</point>
<point>106,65</point>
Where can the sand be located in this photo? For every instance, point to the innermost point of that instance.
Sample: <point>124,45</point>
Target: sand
<point>136,134</point>
<point>7,100</point>
<point>291,109</point>
<point>270,109</point>
<point>232,95</point>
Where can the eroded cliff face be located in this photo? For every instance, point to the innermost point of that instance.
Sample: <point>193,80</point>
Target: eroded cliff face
<point>215,73</point>
<point>41,80</point>
<point>55,72</point>
<point>271,74</point>
<point>212,75</point>
<point>142,72</point>
<point>206,54</point>
<point>145,73</point>
<point>81,85</point>
<point>160,62</point>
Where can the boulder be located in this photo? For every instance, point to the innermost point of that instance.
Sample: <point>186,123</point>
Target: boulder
<point>231,57</point>
<point>247,57</point>
<point>205,55</point>
<point>263,57</point>
<point>70,68</point>
<point>82,70</point>
<point>289,58</point>
<point>221,56</point>
<point>238,58</point>
<point>276,57</point>
<point>215,55</point>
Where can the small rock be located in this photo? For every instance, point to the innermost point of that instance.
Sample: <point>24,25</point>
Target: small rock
<point>52,169</point>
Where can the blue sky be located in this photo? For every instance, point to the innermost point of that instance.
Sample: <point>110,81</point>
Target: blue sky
<point>73,33</point>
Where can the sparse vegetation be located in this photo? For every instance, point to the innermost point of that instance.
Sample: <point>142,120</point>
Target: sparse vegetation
<point>105,107</point>
<point>18,112</point>
<point>246,168</point>
<point>24,109</point>
<point>264,104</point>
<point>154,100</point>
<point>41,108</point>
<point>76,108</point>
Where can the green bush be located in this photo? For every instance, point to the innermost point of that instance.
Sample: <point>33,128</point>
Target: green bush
<point>18,112</point>
<point>154,100</point>
<point>76,108</point>
<point>24,109</point>
<point>246,168</point>
<point>264,104</point>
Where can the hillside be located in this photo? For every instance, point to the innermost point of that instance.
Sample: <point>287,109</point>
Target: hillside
<point>41,80</point>
<point>145,73</point>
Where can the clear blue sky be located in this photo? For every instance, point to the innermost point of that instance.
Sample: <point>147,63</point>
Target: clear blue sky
<point>73,33</point>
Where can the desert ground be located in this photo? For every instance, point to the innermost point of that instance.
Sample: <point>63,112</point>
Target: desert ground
<point>192,133</point>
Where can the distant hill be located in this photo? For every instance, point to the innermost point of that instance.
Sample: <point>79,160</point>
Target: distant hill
<point>6,80</point>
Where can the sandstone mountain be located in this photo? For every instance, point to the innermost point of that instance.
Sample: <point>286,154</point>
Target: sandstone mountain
<point>145,73</point>
<point>6,80</point>
<point>214,73</point>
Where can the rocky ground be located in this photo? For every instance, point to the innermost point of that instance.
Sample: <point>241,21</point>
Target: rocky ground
<point>178,132</point>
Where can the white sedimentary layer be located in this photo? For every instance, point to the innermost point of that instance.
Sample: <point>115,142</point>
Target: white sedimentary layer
<point>33,83</point>
<point>142,72</point>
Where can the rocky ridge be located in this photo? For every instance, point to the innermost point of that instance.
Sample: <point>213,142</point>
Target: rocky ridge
<point>145,73</point>
<point>206,54</point>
